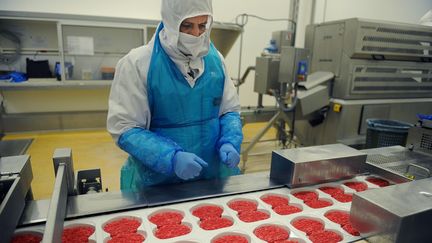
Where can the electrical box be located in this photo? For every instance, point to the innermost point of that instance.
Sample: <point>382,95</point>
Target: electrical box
<point>290,59</point>
<point>266,74</point>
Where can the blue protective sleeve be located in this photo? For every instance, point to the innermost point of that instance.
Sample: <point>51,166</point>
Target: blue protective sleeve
<point>231,130</point>
<point>154,151</point>
<point>424,117</point>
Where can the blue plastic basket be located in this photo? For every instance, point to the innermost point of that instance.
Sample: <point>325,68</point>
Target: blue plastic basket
<point>384,133</point>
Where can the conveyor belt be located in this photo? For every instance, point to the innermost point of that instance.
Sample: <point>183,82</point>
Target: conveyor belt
<point>197,234</point>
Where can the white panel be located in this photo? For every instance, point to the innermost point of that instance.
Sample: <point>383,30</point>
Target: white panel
<point>55,100</point>
<point>257,32</point>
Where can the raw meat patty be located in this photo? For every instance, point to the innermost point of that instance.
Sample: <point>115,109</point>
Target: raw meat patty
<point>77,234</point>
<point>275,200</point>
<point>166,218</point>
<point>271,233</point>
<point>209,211</point>
<point>358,186</point>
<point>306,196</point>
<point>325,236</point>
<point>215,223</point>
<point>26,238</point>
<point>121,226</point>
<point>308,225</point>
<point>173,230</point>
<point>286,209</point>
<point>242,205</point>
<point>230,239</point>
<point>252,216</point>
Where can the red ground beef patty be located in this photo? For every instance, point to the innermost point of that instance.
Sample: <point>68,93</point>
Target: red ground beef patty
<point>306,196</point>
<point>358,186</point>
<point>127,238</point>
<point>338,217</point>
<point>308,225</point>
<point>286,209</point>
<point>166,218</point>
<point>343,198</point>
<point>271,233</point>
<point>285,241</point>
<point>230,239</point>
<point>325,236</point>
<point>333,191</point>
<point>77,234</point>
<point>215,223</point>
<point>274,200</point>
<point>209,211</point>
<point>342,218</point>
<point>350,229</point>
<point>171,231</point>
<point>253,216</point>
<point>318,203</point>
<point>26,238</point>
<point>122,226</point>
<point>378,181</point>
<point>243,205</point>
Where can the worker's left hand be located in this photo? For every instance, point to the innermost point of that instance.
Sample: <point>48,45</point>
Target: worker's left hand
<point>229,155</point>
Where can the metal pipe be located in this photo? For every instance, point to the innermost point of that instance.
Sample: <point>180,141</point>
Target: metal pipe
<point>240,57</point>
<point>57,208</point>
<point>260,101</point>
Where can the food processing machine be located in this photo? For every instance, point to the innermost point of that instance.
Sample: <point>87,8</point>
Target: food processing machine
<point>15,178</point>
<point>328,185</point>
<point>356,69</point>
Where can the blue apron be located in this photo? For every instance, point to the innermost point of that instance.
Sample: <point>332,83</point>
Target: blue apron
<point>188,116</point>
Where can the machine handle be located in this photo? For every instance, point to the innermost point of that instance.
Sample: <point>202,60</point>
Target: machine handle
<point>418,167</point>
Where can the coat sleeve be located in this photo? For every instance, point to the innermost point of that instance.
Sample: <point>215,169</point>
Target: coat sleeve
<point>129,114</point>
<point>229,114</point>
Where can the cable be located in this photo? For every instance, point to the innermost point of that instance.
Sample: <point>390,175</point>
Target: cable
<point>242,22</point>
<point>245,19</point>
<point>12,57</point>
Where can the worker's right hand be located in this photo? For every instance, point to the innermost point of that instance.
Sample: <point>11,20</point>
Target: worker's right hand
<point>187,165</point>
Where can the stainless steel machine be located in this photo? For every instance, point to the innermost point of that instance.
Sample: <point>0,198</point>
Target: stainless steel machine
<point>15,178</point>
<point>357,69</point>
<point>331,173</point>
<point>382,70</point>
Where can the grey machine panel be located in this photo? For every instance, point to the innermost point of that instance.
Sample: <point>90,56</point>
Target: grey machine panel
<point>316,164</point>
<point>362,54</point>
<point>382,70</point>
<point>398,214</point>
<point>266,74</point>
<point>420,138</point>
<point>15,179</point>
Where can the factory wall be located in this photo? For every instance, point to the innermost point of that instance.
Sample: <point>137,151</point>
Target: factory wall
<point>257,32</point>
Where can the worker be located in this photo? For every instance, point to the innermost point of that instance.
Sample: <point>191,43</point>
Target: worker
<point>172,106</point>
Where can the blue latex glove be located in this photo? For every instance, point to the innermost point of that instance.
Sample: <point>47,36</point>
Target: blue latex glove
<point>229,155</point>
<point>187,165</point>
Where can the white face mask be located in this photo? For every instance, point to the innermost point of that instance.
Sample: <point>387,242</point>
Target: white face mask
<point>193,46</point>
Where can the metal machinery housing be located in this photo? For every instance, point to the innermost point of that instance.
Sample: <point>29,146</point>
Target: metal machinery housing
<point>382,70</point>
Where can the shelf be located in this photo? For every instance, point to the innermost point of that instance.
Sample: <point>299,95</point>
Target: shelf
<point>33,84</point>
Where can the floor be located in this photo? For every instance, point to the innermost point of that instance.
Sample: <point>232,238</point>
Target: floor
<point>95,149</point>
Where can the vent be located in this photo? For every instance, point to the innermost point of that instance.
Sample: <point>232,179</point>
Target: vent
<point>403,32</point>
<point>382,79</point>
<point>380,70</point>
<point>388,79</point>
<point>392,40</point>
<point>426,141</point>
<point>392,50</point>
<point>393,157</point>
